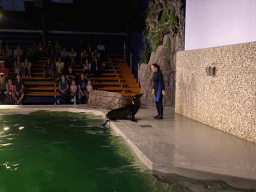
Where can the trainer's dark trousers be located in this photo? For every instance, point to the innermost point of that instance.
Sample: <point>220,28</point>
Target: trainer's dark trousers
<point>159,106</point>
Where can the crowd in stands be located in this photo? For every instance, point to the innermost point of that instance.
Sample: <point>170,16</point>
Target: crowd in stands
<point>59,65</point>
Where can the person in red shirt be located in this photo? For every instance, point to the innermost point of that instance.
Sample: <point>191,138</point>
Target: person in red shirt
<point>3,69</point>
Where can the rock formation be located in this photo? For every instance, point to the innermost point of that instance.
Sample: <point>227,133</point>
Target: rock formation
<point>106,100</point>
<point>165,58</point>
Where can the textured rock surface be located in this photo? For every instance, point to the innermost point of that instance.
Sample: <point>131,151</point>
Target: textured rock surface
<point>106,100</point>
<point>226,101</point>
<point>167,66</point>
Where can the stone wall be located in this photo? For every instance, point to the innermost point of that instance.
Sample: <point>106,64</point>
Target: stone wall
<point>226,101</point>
<point>107,100</point>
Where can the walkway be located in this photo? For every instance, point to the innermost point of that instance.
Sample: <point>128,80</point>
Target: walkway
<point>177,145</point>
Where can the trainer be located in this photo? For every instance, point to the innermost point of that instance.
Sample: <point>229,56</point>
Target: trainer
<point>158,89</point>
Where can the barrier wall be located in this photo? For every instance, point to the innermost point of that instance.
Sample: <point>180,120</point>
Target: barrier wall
<point>226,101</point>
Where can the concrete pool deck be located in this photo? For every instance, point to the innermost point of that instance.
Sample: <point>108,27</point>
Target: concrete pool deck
<point>175,144</point>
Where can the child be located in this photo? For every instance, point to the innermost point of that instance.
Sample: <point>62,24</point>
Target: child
<point>89,86</point>
<point>73,89</point>
<point>10,88</point>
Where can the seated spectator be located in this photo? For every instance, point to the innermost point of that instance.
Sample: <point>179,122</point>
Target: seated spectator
<point>63,88</point>
<point>82,91</point>
<point>18,52</point>
<point>40,49</point>
<point>58,75</point>
<point>8,56</point>
<point>87,67</point>
<point>57,49</point>
<point>84,56</point>
<point>34,48</point>
<point>70,75</point>
<point>102,51</point>
<point>3,69</point>
<point>26,68</point>
<point>60,64</point>
<point>89,48</point>
<point>73,90</point>
<point>64,55</point>
<point>95,55</point>
<point>49,49</point>
<point>10,89</point>
<point>18,92</point>
<point>97,68</point>
<point>3,88</point>
<point>17,66</point>
<point>72,56</point>
<point>48,68</point>
<point>2,52</point>
<point>31,55</point>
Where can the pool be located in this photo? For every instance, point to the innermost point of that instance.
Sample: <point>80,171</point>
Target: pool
<point>64,151</point>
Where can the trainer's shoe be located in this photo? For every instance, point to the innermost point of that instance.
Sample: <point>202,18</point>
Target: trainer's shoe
<point>156,116</point>
<point>159,117</point>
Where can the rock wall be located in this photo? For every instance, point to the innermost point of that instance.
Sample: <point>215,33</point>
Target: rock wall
<point>226,101</point>
<point>168,69</point>
<point>106,100</point>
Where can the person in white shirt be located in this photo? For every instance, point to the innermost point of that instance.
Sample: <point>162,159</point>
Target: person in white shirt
<point>73,90</point>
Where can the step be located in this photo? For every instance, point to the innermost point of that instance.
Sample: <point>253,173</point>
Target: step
<point>43,94</point>
<point>38,79</point>
<point>40,88</point>
<point>123,89</point>
<point>34,83</point>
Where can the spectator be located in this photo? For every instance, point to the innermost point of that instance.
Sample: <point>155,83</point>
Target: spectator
<point>57,49</point>
<point>18,92</point>
<point>2,52</point>
<point>102,51</point>
<point>73,90</point>
<point>26,68</point>
<point>72,56</point>
<point>63,88</point>
<point>10,89</point>
<point>58,75</point>
<point>82,92</point>
<point>31,55</point>
<point>89,48</point>
<point>18,52</point>
<point>17,66</point>
<point>97,65</point>
<point>84,56</point>
<point>64,55</point>
<point>48,68</point>
<point>8,56</point>
<point>3,69</point>
<point>87,67</point>
<point>70,75</point>
<point>3,88</point>
<point>89,87</point>
<point>60,64</point>
<point>95,55</point>
<point>34,48</point>
<point>40,49</point>
<point>49,49</point>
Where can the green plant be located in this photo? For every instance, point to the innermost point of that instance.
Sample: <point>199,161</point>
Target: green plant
<point>168,47</point>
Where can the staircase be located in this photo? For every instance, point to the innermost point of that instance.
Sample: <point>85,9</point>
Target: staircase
<point>116,77</point>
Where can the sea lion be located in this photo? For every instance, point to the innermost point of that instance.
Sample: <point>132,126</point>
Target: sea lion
<point>127,112</point>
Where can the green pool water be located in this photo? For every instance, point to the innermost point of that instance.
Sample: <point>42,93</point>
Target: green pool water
<point>48,151</point>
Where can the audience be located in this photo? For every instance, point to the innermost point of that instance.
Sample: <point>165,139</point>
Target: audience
<point>18,92</point>
<point>48,68</point>
<point>70,75</point>
<point>10,89</point>
<point>82,91</point>
<point>17,66</point>
<point>60,64</point>
<point>58,75</point>
<point>8,56</point>
<point>73,90</point>
<point>18,52</point>
<point>64,55</point>
<point>3,69</point>
<point>26,68</point>
<point>63,88</point>
<point>3,88</point>
<point>72,56</point>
